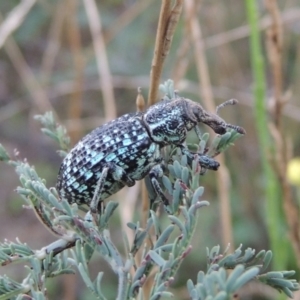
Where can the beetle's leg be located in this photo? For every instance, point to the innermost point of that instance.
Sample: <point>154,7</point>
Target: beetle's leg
<point>198,132</point>
<point>118,174</point>
<point>205,161</point>
<point>155,173</point>
<point>98,190</point>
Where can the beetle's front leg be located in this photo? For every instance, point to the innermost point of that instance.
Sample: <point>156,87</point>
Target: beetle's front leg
<point>118,174</point>
<point>205,161</point>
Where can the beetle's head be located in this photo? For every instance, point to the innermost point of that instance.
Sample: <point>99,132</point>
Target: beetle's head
<point>214,121</point>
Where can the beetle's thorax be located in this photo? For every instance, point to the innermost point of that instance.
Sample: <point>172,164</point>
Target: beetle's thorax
<point>169,121</point>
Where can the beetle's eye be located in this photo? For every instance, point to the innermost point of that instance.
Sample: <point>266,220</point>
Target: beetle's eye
<point>220,130</point>
<point>173,124</point>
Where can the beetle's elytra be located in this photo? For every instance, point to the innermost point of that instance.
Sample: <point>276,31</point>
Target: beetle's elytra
<point>128,148</point>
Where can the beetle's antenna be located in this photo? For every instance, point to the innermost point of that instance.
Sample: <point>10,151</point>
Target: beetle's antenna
<point>238,129</point>
<point>228,102</point>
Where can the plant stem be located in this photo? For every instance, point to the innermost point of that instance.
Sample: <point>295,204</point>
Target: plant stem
<point>271,190</point>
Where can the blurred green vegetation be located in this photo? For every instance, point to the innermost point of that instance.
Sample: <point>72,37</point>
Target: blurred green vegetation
<point>62,61</point>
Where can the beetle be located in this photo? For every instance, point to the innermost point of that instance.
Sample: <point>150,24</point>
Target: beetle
<point>127,149</point>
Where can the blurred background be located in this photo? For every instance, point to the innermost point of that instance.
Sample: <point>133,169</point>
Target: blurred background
<point>85,59</point>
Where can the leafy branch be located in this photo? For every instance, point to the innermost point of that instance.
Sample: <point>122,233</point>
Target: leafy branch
<point>165,254</point>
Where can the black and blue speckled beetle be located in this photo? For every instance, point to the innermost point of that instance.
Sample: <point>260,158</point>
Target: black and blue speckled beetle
<point>128,148</point>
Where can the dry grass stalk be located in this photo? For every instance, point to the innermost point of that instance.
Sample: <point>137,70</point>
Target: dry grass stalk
<point>53,42</point>
<point>274,47</point>
<point>168,20</point>
<point>129,197</point>
<point>39,98</point>
<point>223,180</point>
<point>274,50</point>
<point>158,59</point>
<point>217,40</point>
<point>14,19</point>
<point>155,74</point>
<point>171,26</point>
<point>73,33</point>
<point>105,79</point>
<point>182,60</point>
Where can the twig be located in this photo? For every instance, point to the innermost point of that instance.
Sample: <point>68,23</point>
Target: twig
<point>53,41</point>
<point>75,103</point>
<point>168,20</point>
<point>274,47</point>
<point>157,61</point>
<point>171,25</point>
<point>165,30</point>
<point>155,74</point>
<point>217,40</point>
<point>182,60</point>
<point>132,193</point>
<point>41,102</point>
<point>105,80</point>
<point>129,199</point>
<point>14,19</point>
<point>223,180</point>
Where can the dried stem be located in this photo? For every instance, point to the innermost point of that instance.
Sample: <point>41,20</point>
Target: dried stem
<point>217,40</point>
<point>40,100</point>
<point>223,180</point>
<point>155,74</point>
<point>73,32</point>
<point>157,61</point>
<point>8,26</point>
<point>14,19</point>
<point>105,80</point>
<point>171,26</point>
<point>53,41</point>
<point>168,20</point>
<point>182,60</point>
<point>274,47</point>
<point>165,30</point>
<point>129,199</point>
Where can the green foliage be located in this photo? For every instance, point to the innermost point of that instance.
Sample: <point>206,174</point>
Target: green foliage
<point>86,237</point>
<point>56,132</point>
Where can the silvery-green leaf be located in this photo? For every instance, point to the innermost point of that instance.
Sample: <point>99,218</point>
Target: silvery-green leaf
<point>185,175</point>
<point>177,169</point>
<point>157,258</point>
<point>197,194</point>
<point>244,278</point>
<point>167,183</point>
